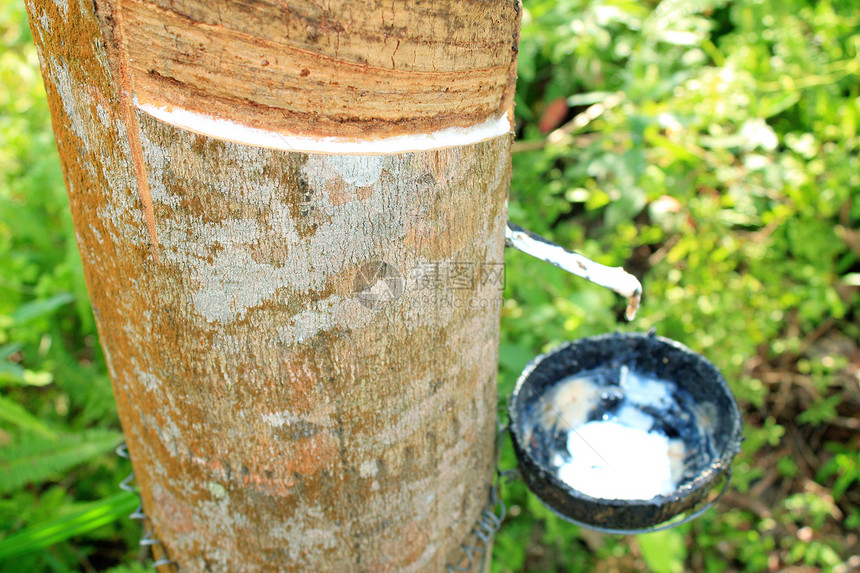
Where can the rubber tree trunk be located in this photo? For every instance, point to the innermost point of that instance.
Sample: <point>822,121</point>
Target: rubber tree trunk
<point>297,289</point>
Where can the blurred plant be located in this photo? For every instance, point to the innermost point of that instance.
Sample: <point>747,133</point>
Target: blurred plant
<point>710,147</point>
<point>58,423</point>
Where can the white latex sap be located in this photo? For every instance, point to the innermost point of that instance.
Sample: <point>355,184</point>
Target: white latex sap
<point>620,456</point>
<point>610,460</point>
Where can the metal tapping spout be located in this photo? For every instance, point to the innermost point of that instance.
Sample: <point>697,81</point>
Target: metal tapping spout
<point>613,278</point>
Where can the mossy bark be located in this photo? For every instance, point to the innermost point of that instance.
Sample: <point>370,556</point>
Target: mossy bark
<point>306,371</point>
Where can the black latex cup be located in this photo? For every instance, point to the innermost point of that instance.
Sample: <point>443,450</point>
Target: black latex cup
<point>668,360</point>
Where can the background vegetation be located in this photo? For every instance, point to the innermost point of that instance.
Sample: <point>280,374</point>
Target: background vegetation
<point>709,146</point>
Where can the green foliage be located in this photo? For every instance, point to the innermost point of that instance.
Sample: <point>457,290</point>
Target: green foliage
<point>727,176</point>
<point>715,156</point>
<point>14,414</point>
<point>844,466</point>
<point>133,567</point>
<point>663,551</point>
<point>39,459</point>
<point>85,519</point>
<point>57,418</point>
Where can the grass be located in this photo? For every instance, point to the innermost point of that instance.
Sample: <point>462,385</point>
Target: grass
<point>708,146</point>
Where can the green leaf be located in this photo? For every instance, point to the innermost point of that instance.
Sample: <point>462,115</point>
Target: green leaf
<point>587,98</point>
<point>133,567</point>
<point>514,357</point>
<point>13,373</point>
<point>8,350</point>
<point>13,413</point>
<point>35,460</point>
<point>10,371</point>
<point>90,517</point>
<point>32,378</point>
<point>663,551</point>
<point>39,308</point>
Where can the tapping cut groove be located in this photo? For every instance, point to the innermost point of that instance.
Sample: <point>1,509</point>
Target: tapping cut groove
<point>132,129</point>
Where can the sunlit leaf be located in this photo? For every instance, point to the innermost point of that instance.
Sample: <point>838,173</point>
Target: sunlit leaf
<point>39,536</point>
<point>663,551</point>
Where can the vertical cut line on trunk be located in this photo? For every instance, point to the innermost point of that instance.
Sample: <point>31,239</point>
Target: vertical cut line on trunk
<point>132,129</point>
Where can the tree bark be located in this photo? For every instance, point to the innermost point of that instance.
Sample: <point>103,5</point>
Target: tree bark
<point>303,346</point>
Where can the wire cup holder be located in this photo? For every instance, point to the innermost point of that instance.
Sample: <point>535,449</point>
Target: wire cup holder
<point>147,540</point>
